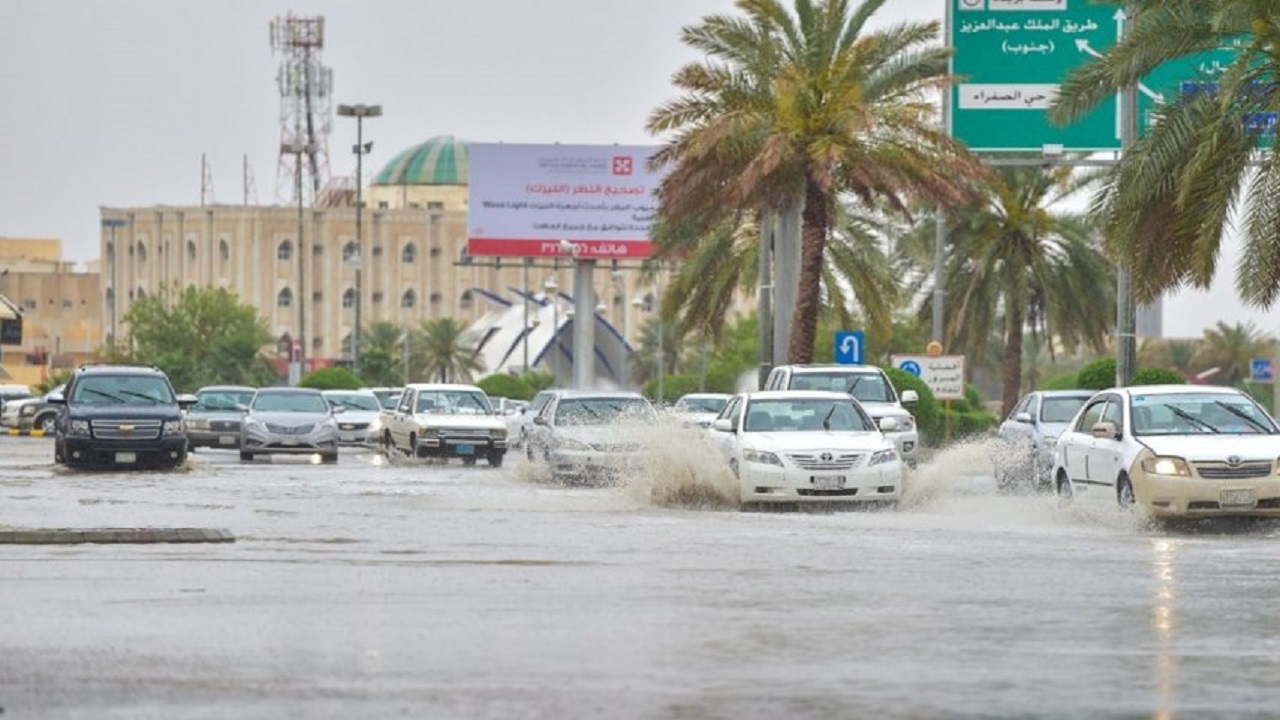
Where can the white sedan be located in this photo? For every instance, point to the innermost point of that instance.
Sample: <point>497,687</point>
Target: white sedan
<point>1172,451</point>
<point>802,446</point>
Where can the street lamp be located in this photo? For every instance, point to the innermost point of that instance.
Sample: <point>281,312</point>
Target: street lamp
<point>552,287</point>
<point>361,148</point>
<point>111,224</point>
<point>298,150</point>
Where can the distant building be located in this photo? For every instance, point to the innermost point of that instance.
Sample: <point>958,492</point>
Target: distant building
<point>1150,320</point>
<point>61,324</point>
<point>413,257</point>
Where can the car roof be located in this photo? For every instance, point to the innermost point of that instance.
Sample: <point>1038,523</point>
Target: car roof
<point>798,395</point>
<point>706,396</point>
<point>290,390</point>
<point>360,391</point>
<point>226,388</point>
<point>441,386</point>
<point>1176,389</point>
<point>1066,393</point>
<point>828,367</point>
<point>118,370</point>
<point>628,394</point>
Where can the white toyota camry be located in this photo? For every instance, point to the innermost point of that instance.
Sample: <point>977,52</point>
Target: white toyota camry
<point>800,446</point>
<point>1173,451</point>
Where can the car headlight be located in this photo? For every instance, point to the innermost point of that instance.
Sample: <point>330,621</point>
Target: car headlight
<point>26,410</point>
<point>198,424</point>
<point>251,424</point>
<point>883,456</point>
<point>429,431</point>
<point>1050,441</point>
<point>762,457</point>
<point>78,427</point>
<point>1166,465</point>
<point>376,425</point>
<point>498,434</point>
<point>571,444</point>
<point>906,423</point>
<point>172,427</point>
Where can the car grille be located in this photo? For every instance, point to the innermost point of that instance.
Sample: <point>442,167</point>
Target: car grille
<point>354,426</point>
<point>1222,471</point>
<point>465,434</point>
<point>126,429</point>
<point>825,460</point>
<point>805,492</point>
<point>224,425</point>
<point>615,447</point>
<point>289,429</point>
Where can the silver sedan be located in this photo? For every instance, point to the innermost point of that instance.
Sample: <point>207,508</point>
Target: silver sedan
<point>296,421</point>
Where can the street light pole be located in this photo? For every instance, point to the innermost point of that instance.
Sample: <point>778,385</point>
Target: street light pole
<point>524,369</point>
<point>298,150</point>
<point>359,112</point>
<point>552,287</point>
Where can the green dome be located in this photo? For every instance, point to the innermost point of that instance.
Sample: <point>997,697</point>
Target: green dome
<point>442,160</point>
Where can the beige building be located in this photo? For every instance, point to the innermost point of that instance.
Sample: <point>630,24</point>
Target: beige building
<point>61,313</point>
<point>412,257</point>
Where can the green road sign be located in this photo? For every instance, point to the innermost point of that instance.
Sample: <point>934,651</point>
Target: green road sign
<point>1012,55</point>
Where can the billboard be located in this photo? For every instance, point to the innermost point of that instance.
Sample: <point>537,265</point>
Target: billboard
<point>584,201</point>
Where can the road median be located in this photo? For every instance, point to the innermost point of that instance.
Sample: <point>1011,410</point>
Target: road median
<point>99,536</point>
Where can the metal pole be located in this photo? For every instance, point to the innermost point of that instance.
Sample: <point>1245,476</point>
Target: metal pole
<point>524,369</point>
<point>555,335</point>
<point>939,246</point>
<point>584,326</point>
<point>355,336</point>
<point>302,277</point>
<point>764,281</point>
<point>662,360</point>
<point>1126,346</point>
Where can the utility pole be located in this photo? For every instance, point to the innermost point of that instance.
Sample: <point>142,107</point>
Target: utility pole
<point>359,112</point>
<point>298,149</point>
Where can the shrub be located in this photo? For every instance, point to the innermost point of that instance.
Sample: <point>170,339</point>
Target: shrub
<point>673,386</point>
<point>538,381</point>
<point>506,386</point>
<point>332,378</point>
<point>1065,381</point>
<point>926,409</point>
<point>1097,375</point>
<point>1157,376</point>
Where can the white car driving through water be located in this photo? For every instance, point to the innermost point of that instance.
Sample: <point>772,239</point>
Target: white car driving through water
<point>1172,451</point>
<point>797,446</point>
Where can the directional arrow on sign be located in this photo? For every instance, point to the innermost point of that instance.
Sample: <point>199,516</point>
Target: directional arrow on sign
<point>849,346</point>
<point>1084,47</point>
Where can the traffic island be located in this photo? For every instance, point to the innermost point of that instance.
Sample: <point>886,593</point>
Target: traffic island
<point>133,536</point>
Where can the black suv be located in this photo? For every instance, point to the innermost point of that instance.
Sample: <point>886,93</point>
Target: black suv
<point>120,415</point>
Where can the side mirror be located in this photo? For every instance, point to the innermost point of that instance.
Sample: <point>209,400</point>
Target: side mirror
<point>539,420</point>
<point>57,399</point>
<point>1105,430</point>
<point>722,424</point>
<point>1023,417</point>
<point>242,407</point>
<point>889,424</point>
<point>910,396</point>
<point>338,410</point>
<point>185,401</point>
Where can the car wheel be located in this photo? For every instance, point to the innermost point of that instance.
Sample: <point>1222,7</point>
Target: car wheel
<point>246,456</point>
<point>469,460</point>
<point>47,424</point>
<point>414,449</point>
<point>1065,493</point>
<point>495,459</point>
<point>329,459</point>
<point>1124,493</point>
<point>58,457</point>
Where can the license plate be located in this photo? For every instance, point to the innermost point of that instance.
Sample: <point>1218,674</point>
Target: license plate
<point>465,449</point>
<point>348,437</point>
<point>1237,498</point>
<point>831,482</point>
<point>227,439</point>
<point>126,457</point>
<point>289,441</point>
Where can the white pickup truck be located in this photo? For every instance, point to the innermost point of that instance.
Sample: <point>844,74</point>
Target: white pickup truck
<point>436,420</point>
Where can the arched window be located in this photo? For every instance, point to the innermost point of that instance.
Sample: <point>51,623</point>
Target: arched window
<point>284,250</point>
<point>142,294</point>
<point>317,250</point>
<point>284,298</point>
<point>408,254</point>
<point>465,301</point>
<point>224,251</point>
<point>111,296</point>
<point>349,252</point>
<point>142,252</point>
<point>111,252</point>
<point>191,250</point>
<point>377,298</point>
<point>349,298</point>
<point>436,298</point>
<point>409,299</point>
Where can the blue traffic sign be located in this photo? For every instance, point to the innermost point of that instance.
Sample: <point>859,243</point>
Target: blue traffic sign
<point>849,347</point>
<point>1260,370</point>
<point>912,367</point>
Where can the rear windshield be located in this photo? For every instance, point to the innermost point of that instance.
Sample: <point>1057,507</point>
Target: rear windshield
<point>867,387</point>
<point>222,399</point>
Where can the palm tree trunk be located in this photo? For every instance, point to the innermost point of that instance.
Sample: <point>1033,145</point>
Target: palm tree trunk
<point>804,323</point>
<point>1011,365</point>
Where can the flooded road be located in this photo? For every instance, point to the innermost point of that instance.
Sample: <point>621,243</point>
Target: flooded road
<point>375,589</point>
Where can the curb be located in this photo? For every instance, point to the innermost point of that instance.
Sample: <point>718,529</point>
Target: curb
<point>134,536</point>
<point>25,433</point>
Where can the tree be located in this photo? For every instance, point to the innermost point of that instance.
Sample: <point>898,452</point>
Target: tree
<point>644,361</point>
<point>443,350</point>
<point>330,378</point>
<point>199,336</point>
<point>505,386</point>
<point>381,354</point>
<point>796,109</point>
<point>1230,348</point>
<point>1169,200</point>
<point>1013,263</point>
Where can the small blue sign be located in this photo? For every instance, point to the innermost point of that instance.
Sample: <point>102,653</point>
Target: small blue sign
<point>1260,370</point>
<point>911,366</point>
<point>849,347</point>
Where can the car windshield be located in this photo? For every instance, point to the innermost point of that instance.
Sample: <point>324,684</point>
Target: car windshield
<point>701,404</point>
<point>1194,413</point>
<point>353,401</point>
<point>122,390</point>
<point>1060,409</point>
<point>212,400</point>
<point>453,402</point>
<point>391,401</point>
<point>602,411</point>
<point>866,386</point>
<point>806,415</point>
<point>289,402</point>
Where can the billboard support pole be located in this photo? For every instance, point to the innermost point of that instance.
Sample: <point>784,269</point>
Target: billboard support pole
<point>1126,321</point>
<point>584,326</point>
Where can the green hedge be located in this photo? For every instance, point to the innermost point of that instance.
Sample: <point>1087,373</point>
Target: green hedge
<point>926,410</point>
<point>332,378</point>
<point>673,386</point>
<point>1101,375</point>
<point>506,386</point>
<point>1157,376</point>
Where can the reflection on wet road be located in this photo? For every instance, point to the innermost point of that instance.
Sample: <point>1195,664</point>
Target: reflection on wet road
<point>378,587</point>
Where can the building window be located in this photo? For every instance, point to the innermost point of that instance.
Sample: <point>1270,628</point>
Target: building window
<point>409,299</point>
<point>111,296</point>
<point>350,251</point>
<point>142,252</point>
<point>317,250</point>
<point>377,298</point>
<point>67,304</point>
<point>191,250</point>
<point>435,205</point>
<point>464,302</point>
<point>317,296</point>
<point>409,254</point>
<point>224,251</point>
<point>29,304</point>
<point>284,298</point>
<point>284,250</point>
<point>383,204</point>
<point>435,252</point>
<point>349,298</point>
<point>111,252</point>
<point>377,251</point>
<point>436,298</point>
<point>142,294</point>
<point>317,342</point>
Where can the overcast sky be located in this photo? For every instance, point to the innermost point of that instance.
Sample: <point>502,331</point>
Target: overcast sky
<point>112,103</point>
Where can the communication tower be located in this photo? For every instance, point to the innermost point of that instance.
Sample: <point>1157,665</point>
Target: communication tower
<point>306,109</point>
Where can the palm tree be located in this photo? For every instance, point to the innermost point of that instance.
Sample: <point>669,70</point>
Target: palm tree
<point>1015,264</point>
<point>644,361</point>
<point>1230,348</point>
<point>801,108</point>
<point>1169,200</point>
<point>382,361</point>
<point>443,349</point>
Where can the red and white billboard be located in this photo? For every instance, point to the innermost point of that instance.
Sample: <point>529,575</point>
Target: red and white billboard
<point>584,201</point>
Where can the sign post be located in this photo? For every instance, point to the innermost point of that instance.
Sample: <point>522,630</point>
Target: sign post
<point>850,346</point>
